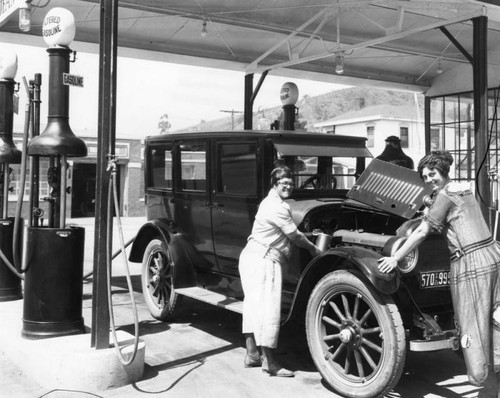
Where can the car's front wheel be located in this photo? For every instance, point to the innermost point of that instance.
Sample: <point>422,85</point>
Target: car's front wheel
<point>157,280</point>
<point>355,335</point>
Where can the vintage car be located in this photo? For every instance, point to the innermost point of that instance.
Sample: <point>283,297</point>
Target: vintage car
<point>202,194</point>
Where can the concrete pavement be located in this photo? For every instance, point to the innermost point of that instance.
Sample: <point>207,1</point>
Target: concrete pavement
<point>201,353</point>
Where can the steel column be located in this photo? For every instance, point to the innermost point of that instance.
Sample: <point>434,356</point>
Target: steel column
<point>106,145</point>
<point>480,79</point>
<point>248,109</point>
<point>427,118</point>
<point>250,95</point>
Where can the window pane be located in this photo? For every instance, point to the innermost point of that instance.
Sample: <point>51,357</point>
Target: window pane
<point>451,109</point>
<point>238,168</point>
<point>403,135</point>
<point>161,167</point>
<point>370,134</point>
<point>435,139</point>
<point>436,110</point>
<point>193,167</point>
<point>466,108</point>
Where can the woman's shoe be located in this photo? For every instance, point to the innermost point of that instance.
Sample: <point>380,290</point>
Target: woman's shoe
<point>277,370</point>
<point>252,362</point>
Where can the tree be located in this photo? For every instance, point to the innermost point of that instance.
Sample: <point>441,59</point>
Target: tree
<point>164,125</point>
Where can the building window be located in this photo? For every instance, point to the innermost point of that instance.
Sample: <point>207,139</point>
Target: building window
<point>403,135</point>
<point>370,134</point>
<point>451,127</point>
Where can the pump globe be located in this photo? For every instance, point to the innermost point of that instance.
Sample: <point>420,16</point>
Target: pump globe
<point>58,27</point>
<point>289,93</point>
<point>8,63</point>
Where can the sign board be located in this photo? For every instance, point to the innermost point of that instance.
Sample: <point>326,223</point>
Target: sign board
<point>7,8</point>
<point>72,80</point>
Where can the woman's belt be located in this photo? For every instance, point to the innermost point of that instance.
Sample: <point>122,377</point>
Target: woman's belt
<point>268,251</point>
<point>462,251</point>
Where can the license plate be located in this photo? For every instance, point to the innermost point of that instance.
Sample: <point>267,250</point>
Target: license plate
<point>434,279</point>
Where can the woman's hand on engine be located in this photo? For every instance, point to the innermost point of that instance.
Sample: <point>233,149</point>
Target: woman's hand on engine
<point>387,264</point>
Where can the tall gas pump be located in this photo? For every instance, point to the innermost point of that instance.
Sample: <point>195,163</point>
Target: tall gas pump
<point>54,258</point>
<point>289,94</point>
<point>10,283</point>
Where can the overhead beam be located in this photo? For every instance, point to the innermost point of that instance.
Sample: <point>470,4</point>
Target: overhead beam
<point>255,69</point>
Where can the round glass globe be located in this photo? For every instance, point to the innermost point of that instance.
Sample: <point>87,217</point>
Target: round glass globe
<point>289,93</point>
<point>58,27</point>
<point>8,63</point>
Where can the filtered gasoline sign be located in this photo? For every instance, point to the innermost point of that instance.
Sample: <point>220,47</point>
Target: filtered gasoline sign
<point>72,80</point>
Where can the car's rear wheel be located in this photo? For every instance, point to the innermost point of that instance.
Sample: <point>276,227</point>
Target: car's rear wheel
<point>157,280</point>
<point>355,335</point>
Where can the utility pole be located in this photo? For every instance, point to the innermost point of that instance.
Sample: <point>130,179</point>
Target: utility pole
<point>232,112</point>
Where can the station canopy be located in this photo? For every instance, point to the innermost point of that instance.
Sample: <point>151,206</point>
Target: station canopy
<point>397,44</point>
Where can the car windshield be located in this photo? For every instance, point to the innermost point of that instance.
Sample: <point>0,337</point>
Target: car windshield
<point>321,172</point>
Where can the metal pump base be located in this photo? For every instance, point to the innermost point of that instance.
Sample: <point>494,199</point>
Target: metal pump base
<point>10,284</point>
<point>53,283</point>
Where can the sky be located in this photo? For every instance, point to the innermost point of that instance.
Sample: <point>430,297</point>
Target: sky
<point>148,89</point>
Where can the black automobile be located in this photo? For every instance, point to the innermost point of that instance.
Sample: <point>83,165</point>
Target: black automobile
<point>202,194</point>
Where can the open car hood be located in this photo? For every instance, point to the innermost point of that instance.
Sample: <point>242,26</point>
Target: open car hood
<point>394,189</point>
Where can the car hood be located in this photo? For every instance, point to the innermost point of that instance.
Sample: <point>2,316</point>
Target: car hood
<point>300,207</point>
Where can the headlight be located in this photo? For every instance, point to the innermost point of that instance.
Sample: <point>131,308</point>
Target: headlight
<point>409,262</point>
<point>406,264</point>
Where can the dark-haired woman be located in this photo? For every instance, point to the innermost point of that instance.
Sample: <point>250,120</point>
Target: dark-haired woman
<point>475,262</point>
<point>261,261</point>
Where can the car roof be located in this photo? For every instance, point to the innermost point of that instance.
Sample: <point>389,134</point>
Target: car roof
<point>287,142</point>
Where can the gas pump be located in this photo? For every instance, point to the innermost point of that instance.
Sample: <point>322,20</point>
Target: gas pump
<point>54,258</point>
<point>289,94</point>
<point>10,283</point>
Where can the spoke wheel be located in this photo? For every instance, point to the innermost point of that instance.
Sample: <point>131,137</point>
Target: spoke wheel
<point>157,280</point>
<point>355,335</point>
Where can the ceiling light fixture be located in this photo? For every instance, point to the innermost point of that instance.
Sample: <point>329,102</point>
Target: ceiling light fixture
<point>339,62</point>
<point>439,69</point>
<point>25,15</point>
<point>204,32</point>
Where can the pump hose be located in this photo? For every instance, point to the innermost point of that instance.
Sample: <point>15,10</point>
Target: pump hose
<point>115,254</point>
<point>19,204</point>
<point>113,191</point>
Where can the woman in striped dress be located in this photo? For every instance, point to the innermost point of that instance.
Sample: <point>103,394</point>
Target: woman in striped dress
<point>475,262</point>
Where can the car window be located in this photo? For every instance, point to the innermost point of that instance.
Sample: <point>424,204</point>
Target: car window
<point>160,170</point>
<point>193,160</point>
<point>321,172</point>
<point>237,168</point>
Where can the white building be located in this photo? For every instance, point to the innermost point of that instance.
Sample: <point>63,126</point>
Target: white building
<point>378,122</point>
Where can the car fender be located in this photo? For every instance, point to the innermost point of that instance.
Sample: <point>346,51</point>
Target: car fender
<point>364,260</point>
<point>184,274</point>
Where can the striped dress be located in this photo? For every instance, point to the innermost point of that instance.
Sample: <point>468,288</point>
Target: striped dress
<point>475,281</point>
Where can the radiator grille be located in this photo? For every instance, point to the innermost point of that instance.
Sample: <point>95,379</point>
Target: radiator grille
<point>392,188</point>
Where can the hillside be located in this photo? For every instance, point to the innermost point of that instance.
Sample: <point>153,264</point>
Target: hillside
<point>315,109</point>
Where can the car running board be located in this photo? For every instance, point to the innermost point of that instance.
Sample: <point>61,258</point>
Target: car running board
<point>212,298</point>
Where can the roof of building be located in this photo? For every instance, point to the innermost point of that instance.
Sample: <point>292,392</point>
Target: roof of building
<point>377,112</point>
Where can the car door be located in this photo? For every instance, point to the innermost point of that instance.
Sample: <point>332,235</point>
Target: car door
<point>192,200</point>
<point>235,192</point>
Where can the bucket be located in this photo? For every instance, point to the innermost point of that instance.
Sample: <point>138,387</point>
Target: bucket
<point>322,240</point>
